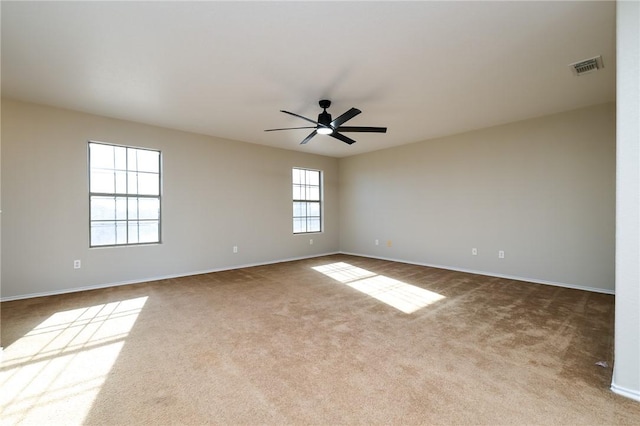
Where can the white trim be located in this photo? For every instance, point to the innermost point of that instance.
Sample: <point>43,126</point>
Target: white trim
<point>629,393</point>
<point>159,278</point>
<point>490,274</point>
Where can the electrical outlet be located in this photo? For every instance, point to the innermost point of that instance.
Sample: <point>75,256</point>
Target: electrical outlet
<point>235,249</point>
<point>310,241</point>
<point>77,264</point>
<point>474,251</point>
<point>501,254</point>
<point>389,243</point>
<point>377,242</point>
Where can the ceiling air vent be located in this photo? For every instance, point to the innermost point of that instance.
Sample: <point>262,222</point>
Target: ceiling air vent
<point>587,66</point>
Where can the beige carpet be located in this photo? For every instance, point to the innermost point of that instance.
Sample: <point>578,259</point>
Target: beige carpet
<point>331,340</point>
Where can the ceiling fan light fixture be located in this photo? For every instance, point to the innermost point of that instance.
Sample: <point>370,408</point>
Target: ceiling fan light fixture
<point>324,130</point>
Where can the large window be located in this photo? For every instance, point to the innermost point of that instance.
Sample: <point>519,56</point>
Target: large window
<point>124,195</point>
<point>307,201</point>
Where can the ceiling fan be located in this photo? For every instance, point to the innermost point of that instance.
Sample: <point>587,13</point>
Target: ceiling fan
<point>333,128</point>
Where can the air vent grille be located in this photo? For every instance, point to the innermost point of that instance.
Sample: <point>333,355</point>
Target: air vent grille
<point>586,66</point>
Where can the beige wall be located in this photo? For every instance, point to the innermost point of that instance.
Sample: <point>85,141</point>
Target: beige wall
<point>217,194</point>
<point>542,190</point>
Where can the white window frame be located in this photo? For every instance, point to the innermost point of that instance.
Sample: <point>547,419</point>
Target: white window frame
<point>134,195</point>
<point>308,204</point>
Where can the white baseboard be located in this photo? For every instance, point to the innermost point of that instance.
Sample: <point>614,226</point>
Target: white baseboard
<point>629,393</point>
<point>490,274</point>
<point>157,278</point>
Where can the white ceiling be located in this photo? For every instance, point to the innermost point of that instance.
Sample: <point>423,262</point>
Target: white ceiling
<point>423,69</point>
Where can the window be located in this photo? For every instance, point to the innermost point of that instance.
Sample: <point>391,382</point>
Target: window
<point>124,195</point>
<point>307,208</point>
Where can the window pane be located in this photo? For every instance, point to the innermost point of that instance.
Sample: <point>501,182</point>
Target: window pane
<point>296,176</point>
<point>299,224</point>
<point>148,161</point>
<point>121,208</point>
<point>132,208</point>
<point>121,232</point>
<point>313,177</point>
<point>132,228</point>
<point>132,159</point>
<point>148,184</point>
<point>103,208</point>
<point>299,209</point>
<point>101,156</point>
<point>103,233</point>
<point>121,182</point>
<point>298,193</point>
<point>149,208</point>
<point>149,231</point>
<point>132,183</point>
<point>102,181</point>
<point>313,209</point>
<point>313,193</point>
<point>313,224</point>
<point>121,157</point>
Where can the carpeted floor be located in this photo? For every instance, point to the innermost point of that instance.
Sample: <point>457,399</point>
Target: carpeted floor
<point>331,340</point>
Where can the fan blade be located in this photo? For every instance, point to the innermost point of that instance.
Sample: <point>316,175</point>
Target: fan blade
<point>345,117</point>
<point>299,116</point>
<point>362,129</point>
<point>308,138</point>
<point>343,138</point>
<point>291,128</point>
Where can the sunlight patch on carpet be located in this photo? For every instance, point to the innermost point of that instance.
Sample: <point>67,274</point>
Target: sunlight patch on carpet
<point>64,362</point>
<point>405,297</point>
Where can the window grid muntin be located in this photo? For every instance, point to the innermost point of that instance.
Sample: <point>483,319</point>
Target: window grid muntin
<point>126,192</point>
<point>307,195</point>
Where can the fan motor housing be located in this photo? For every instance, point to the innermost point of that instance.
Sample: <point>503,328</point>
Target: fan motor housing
<point>324,118</point>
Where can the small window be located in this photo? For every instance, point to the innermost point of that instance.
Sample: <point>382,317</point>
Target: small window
<point>307,201</point>
<point>124,195</point>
